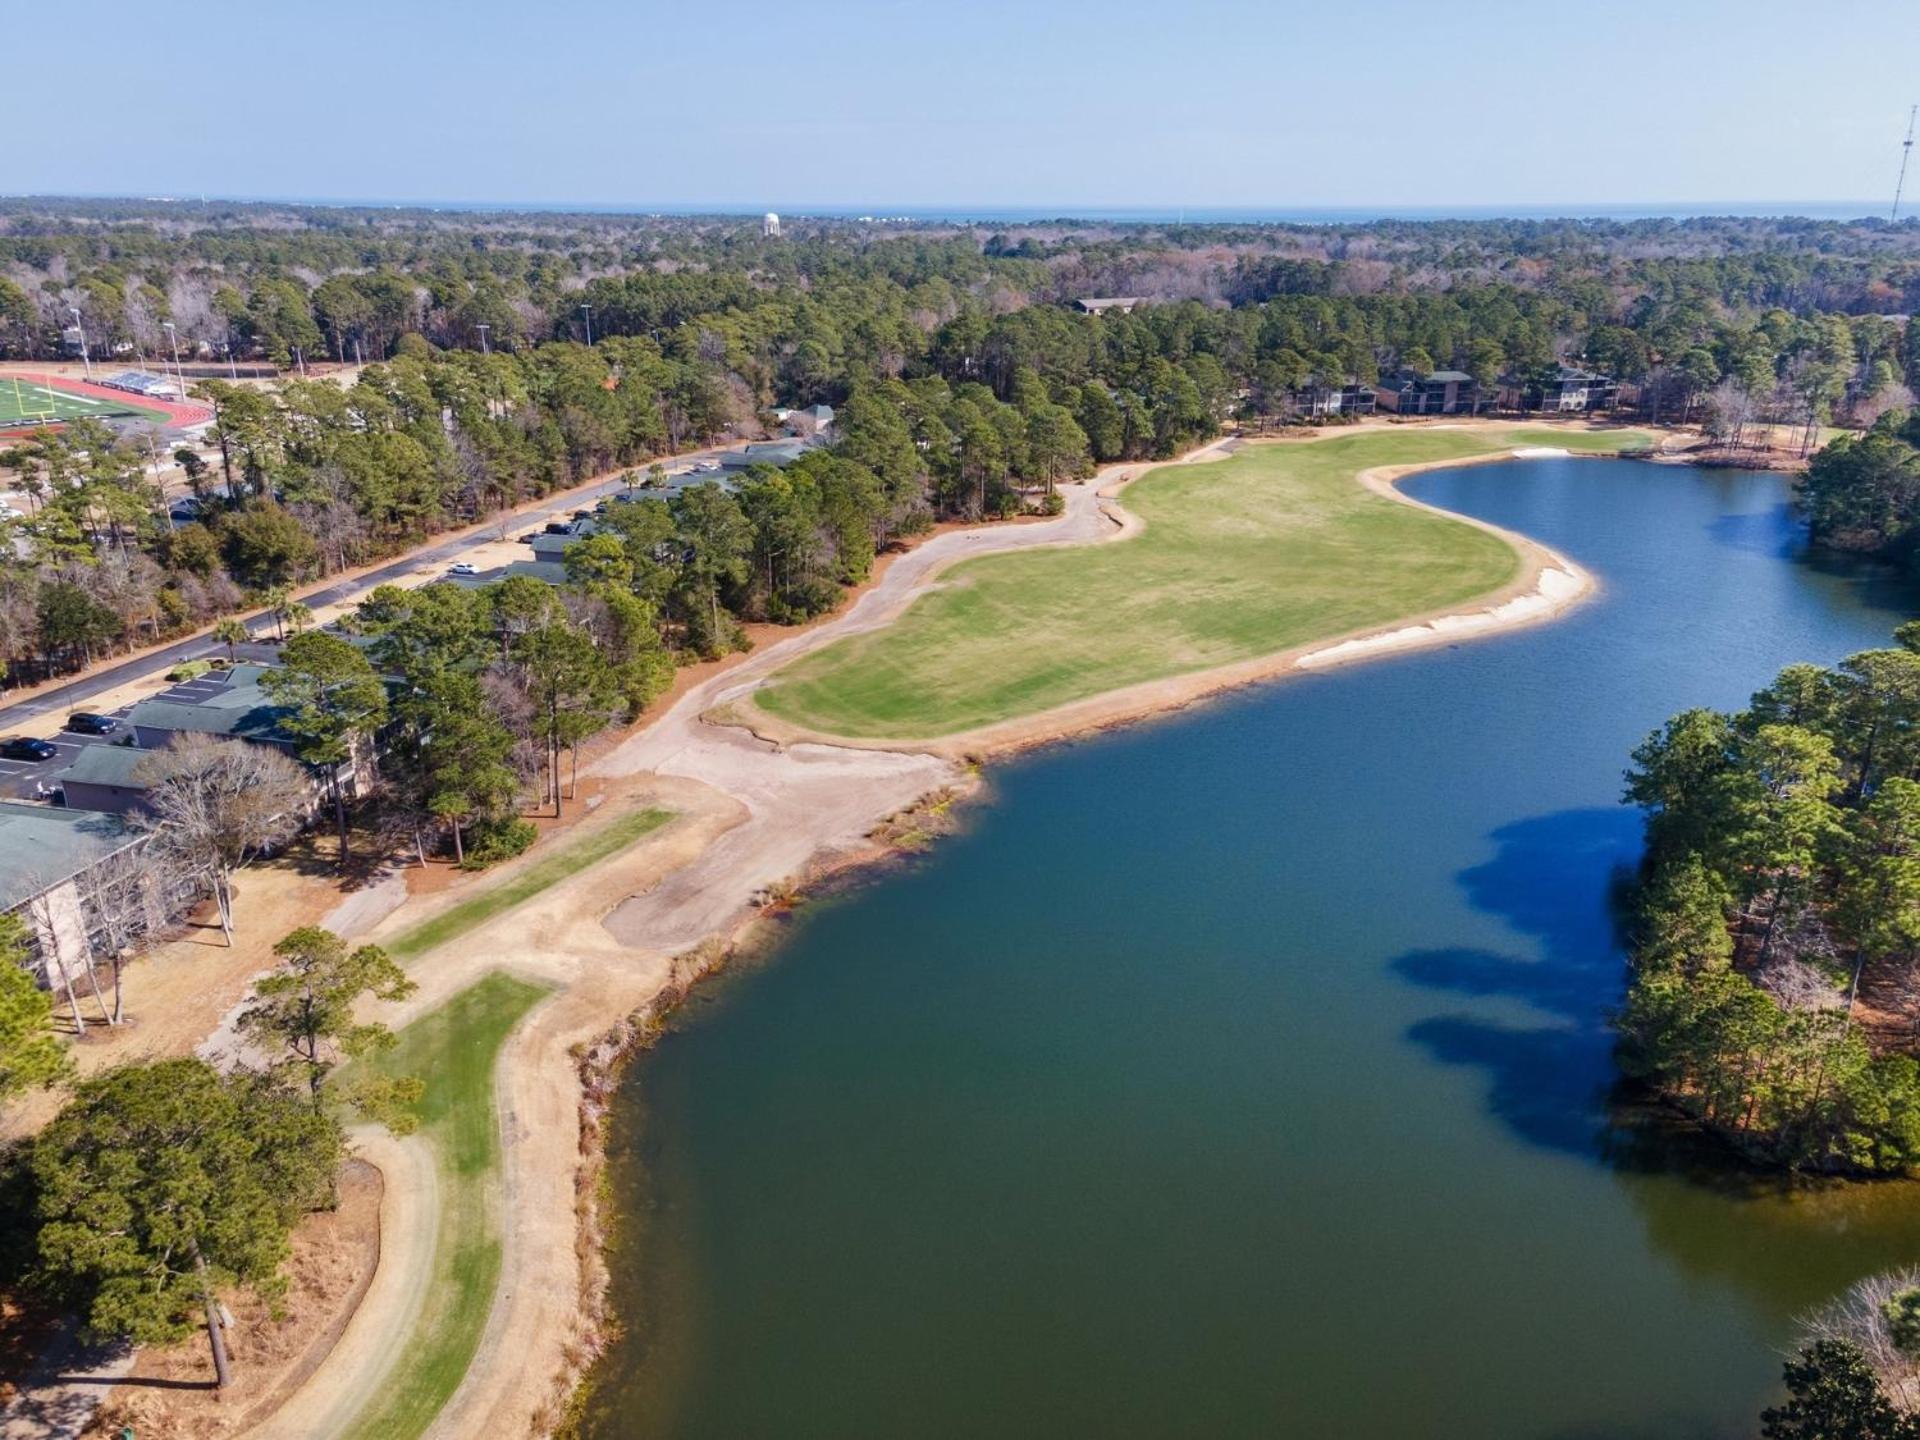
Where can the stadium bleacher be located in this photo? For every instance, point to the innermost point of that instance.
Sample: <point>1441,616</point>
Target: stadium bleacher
<point>142,382</point>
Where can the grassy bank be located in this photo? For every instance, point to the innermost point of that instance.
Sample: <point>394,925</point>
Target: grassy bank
<point>1240,558</point>
<point>453,1049</point>
<point>544,871</point>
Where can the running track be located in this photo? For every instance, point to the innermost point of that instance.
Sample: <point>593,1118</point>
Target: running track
<point>179,413</point>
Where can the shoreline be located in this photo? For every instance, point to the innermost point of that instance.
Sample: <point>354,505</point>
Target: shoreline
<point>1547,585</point>
<point>760,819</point>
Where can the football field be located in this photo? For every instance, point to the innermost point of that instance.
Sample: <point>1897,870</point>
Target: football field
<point>33,402</point>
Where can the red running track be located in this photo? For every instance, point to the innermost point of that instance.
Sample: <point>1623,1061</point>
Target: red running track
<point>179,413</point>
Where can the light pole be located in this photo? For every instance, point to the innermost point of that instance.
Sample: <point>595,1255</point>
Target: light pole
<point>586,310</point>
<point>159,482</point>
<point>179,373</point>
<point>85,359</point>
<point>485,349</point>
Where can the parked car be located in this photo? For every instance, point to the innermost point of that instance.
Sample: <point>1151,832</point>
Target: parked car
<point>24,747</point>
<point>461,567</point>
<point>85,722</point>
<point>557,527</point>
<point>529,537</point>
<point>583,514</point>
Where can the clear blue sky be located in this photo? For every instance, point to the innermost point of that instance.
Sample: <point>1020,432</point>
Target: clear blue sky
<point>1011,102</point>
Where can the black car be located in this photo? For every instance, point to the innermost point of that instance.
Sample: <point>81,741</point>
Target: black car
<point>23,747</point>
<point>557,527</point>
<point>85,722</point>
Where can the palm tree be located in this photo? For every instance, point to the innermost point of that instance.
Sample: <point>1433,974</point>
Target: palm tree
<point>277,599</point>
<point>231,632</point>
<point>298,616</point>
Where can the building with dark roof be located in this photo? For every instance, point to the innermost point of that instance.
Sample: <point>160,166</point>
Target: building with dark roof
<point>225,702</point>
<point>106,778</point>
<point>1439,392</point>
<point>50,870</point>
<point>1559,390</point>
<point>1331,399</point>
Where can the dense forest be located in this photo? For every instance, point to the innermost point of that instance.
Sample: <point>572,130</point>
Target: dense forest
<point>966,385</point>
<point>1776,960</point>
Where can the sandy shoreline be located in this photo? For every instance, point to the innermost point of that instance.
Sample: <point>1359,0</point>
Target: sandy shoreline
<point>1547,585</point>
<point>757,808</point>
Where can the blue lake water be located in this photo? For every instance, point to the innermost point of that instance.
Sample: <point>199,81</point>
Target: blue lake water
<point>1247,1073</point>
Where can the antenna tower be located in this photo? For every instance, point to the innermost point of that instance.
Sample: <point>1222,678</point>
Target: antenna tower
<point>1906,154</point>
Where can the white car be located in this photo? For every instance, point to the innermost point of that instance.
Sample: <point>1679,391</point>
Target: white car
<point>463,568</point>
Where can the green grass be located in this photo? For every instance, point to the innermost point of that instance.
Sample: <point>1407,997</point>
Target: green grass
<point>453,1049</point>
<point>544,871</point>
<point>28,402</point>
<point>1240,558</point>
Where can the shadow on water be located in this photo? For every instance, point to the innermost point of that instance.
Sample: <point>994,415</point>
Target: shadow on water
<point>1874,583</point>
<point>1548,879</point>
<point>1775,531</point>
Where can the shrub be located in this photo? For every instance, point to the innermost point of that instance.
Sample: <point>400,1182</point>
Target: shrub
<point>488,842</point>
<point>189,670</point>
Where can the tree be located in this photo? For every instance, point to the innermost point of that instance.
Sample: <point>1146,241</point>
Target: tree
<point>568,680</point>
<point>719,546</point>
<point>1862,492</point>
<point>452,752</point>
<point>161,1184</point>
<point>306,1007</point>
<point>231,632</point>
<point>1779,815</point>
<point>71,619</point>
<point>334,700</point>
<point>30,1053</point>
<point>126,897</point>
<point>216,804</point>
<point>1879,907</point>
<point>1834,1396</point>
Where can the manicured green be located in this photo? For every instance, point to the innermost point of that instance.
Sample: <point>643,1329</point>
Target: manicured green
<point>29,402</point>
<point>543,872</point>
<point>453,1049</point>
<point>1240,558</point>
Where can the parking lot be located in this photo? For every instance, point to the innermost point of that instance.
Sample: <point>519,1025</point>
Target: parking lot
<point>39,779</point>
<point>34,779</point>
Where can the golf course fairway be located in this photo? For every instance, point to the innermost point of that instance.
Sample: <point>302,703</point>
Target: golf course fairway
<point>1272,548</point>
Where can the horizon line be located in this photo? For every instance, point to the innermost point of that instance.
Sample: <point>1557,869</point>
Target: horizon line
<point>957,210</point>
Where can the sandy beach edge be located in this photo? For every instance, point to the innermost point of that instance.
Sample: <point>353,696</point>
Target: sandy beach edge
<point>1546,585</point>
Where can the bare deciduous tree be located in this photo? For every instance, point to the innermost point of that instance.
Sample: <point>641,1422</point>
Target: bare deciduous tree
<point>218,804</point>
<point>1860,1317</point>
<point>129,898</point>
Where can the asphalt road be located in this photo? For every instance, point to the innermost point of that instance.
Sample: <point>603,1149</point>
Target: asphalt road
<point>74,694</point>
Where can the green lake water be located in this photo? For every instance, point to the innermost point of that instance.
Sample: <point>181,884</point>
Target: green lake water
<point>1247,1074</point>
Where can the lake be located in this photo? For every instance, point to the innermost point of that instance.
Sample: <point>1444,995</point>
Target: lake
<point>1247,1073</point>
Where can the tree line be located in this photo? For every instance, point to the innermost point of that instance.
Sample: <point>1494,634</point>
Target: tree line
<point>1779,909</point>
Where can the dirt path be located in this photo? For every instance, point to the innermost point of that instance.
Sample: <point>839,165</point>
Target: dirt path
<point>752,811</point>
<point>409,1219</point>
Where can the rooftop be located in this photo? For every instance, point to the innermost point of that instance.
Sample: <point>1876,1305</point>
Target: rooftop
<point>228,703</point>
<point>551,571</point>
<point>40,846</point>
<point>108,765</point>
<point>765,452</point>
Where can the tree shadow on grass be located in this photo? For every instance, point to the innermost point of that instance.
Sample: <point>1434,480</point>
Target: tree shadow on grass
<point>1551,878</point>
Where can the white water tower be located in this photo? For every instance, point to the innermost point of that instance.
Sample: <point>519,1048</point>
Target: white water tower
<point>770,226</point>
